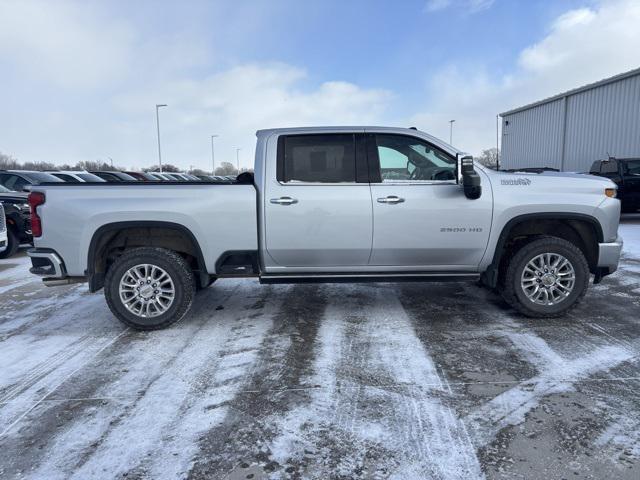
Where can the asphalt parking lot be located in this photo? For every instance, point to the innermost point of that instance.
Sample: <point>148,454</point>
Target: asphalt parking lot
<point>407,381</point>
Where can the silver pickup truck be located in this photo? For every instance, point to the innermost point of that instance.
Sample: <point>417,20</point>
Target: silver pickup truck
<point>326,204</point>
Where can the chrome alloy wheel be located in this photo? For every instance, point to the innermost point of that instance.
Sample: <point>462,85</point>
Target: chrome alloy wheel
<point>147,290</point>
<point>548,279</point>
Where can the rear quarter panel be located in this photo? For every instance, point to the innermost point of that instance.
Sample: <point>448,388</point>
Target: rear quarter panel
<point>220,217</point>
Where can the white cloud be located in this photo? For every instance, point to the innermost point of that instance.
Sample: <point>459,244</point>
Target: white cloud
<point>471,6</point>
<point>581,46</point>
<point>436,5</point>
<point>85,56</point>
<point>237,102</point>
<point>64,43</point>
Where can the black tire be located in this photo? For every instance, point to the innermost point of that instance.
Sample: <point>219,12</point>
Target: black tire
<point>13,243</point>
<point>514,293</point>
<point>173,264</point>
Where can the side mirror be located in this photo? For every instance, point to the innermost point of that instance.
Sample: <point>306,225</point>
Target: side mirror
<point>469,178</point>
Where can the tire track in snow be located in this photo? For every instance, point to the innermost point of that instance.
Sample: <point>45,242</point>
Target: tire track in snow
<point>177,393</point>
<point>286,354</point>
<point>34,364</point>
<point>64,431</point>
<point>358,430</point>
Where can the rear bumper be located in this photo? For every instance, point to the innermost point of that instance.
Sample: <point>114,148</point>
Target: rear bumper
<point>46,263</point>
<point>609,256</point>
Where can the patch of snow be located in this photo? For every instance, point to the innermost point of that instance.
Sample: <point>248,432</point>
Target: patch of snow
<point>557,374</point>
<point>421,436</point>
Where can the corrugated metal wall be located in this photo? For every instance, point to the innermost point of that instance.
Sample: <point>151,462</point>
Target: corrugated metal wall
<point>600,121</point>
<point>533,137</point>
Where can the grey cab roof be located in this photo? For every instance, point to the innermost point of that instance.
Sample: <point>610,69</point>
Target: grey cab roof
<point>360,128</point>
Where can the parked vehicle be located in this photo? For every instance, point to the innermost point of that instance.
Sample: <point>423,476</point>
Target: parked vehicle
<point>114,177</point>
<point>3,231</point>
<point>142,176</point>
<point>165,177</point>
<point>309,216</point>
<point>625,173</point>
<point>75,176</point>
<point>18,220</point>
<point>17,180</point>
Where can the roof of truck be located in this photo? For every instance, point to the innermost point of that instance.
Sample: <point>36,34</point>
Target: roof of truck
<point>328,129</point>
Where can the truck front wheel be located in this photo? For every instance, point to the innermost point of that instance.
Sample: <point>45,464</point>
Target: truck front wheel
<point>546,277</point>
<point>149,288</point>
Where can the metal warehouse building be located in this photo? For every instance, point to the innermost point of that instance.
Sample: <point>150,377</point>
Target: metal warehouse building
<point>571,130</point>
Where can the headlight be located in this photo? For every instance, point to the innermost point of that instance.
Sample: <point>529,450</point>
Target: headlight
<point>611,192</point>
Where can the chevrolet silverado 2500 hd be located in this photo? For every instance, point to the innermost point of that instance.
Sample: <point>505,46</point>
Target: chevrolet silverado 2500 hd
<point>331,205</point>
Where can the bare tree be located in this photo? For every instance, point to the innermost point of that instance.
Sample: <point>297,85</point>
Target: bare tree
<point>226,168</point>
<point>94,166</point>
<point>7,162</point>
<point>197,171</point>
<point>489,158</point>
<point>167,167</point>
<point>38,166</point>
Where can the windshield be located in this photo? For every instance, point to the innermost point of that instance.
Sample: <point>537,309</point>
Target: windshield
<point>90,177</point>
<point>42,177</point>
<point>633,167</point>
<point>4,189</point>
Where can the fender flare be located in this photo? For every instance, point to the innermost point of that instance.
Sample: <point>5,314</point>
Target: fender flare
<point>96,279</point>
<point>490,276</point>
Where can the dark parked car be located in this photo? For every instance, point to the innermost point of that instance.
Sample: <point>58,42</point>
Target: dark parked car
<point>18,179</point>
<point>115,176</point>
<point>18,220</point>
<point>625,172</point>
<point>142,176</point>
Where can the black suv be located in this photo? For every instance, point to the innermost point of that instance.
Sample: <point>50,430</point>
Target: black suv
<point>17,179</point>
<point>16,210</point>
<point>625,172</point>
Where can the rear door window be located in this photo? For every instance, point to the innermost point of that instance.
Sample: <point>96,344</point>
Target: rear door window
<point>66,178</point>
<point>328,158</point>
<point>609,167</point>
<point>13,182</point>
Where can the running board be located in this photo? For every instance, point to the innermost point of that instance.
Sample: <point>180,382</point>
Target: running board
<point>368,277</point>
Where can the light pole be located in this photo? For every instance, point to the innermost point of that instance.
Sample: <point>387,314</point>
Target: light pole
<point>158,127</point>
<point>238,159</point>
<point>451,131</point>
<point>213,156</point>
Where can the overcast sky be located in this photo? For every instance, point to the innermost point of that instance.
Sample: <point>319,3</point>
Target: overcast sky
<point>80,80</point>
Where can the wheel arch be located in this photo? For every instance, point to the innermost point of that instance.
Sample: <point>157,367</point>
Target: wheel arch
<point>531,224</point>
<point>126,235</point>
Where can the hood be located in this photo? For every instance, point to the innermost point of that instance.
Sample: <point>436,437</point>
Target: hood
<point>551,177</point>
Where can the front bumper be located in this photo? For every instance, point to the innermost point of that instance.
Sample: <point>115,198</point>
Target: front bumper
<point>46,263</point>
<point>609,256</point>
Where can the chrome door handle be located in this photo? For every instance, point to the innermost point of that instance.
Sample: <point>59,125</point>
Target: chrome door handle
<point>391,199</point>
<point>284,201</point>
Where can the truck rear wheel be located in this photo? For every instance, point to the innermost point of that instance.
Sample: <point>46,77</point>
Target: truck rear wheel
<point>546,278</point>
<point>149,288</point>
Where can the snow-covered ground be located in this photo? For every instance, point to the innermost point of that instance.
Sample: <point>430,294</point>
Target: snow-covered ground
<point>406,381</point>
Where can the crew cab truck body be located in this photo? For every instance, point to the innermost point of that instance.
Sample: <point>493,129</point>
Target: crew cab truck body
<point>331,204</point>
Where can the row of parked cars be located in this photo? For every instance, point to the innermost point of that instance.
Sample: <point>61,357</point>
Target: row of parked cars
<point>17,179</point>
<point>15,222</point>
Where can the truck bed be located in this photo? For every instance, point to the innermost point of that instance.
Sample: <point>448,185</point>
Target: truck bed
<point>221,217</point>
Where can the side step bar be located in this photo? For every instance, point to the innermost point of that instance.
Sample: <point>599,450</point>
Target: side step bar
<point>368,277</point>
